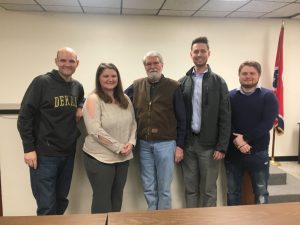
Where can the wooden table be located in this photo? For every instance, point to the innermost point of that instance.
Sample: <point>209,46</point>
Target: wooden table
<point>272,214</point>
<point>75,219</point>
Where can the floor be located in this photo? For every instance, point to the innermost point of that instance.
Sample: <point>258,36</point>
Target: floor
<point>292,168</point>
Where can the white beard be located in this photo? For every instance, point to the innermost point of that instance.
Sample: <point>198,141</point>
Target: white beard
<point>153,76</point>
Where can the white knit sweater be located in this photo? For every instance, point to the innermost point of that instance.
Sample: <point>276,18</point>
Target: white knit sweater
<point>109,127</point>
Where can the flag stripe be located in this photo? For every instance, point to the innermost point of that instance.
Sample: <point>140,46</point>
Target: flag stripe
<point>278,83</point>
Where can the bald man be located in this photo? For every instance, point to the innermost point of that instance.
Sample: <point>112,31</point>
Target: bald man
<point>47,120</point>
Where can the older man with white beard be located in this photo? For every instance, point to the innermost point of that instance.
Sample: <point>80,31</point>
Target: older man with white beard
<point>161,120</point>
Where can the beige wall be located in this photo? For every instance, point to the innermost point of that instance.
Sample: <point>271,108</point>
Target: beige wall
<point>28,44</point>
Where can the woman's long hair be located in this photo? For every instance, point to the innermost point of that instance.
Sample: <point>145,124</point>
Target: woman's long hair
<point>118,90</point>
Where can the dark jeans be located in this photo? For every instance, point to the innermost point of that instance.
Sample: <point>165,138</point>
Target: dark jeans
<point>257,164</point>
<point>107,181</point>
<point>50,183</point>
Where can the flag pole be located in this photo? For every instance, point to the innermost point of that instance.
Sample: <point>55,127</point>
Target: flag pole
<point>278,90</point>
<point>273,162</point>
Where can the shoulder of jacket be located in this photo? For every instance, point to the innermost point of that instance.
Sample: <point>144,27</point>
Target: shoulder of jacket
<point>43,76</point>
<point>184,79</point>
<point>41,79</point>
<point>216,77</point>
<point>171,81</point>
<point>76,82</point>
<point>139,80</point>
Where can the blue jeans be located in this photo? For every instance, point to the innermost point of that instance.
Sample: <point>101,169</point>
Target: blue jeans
<point>257,164</point>
<point>50,183</point>
<point>157,165</point>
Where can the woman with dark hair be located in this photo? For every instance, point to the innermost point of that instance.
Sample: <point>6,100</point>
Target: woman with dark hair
<point>110,122</point>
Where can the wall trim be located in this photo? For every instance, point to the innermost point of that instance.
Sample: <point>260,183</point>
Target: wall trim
<point>286,158</point>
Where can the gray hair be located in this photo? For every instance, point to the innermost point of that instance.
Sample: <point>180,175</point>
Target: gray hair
<point>153,54</point>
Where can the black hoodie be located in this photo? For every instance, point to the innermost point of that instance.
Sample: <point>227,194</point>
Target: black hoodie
<point>47,118</point>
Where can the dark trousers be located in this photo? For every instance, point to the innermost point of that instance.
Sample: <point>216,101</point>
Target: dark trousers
<point>50,183</point>
<point>257,164</point>
<point>107,181</point>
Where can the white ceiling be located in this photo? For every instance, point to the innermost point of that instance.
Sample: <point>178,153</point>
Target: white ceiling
<point>190,8</point>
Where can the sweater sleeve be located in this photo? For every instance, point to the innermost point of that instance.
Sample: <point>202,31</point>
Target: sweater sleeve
<point>269,114</point>
<point>29,111</point>
<point>92,118</point>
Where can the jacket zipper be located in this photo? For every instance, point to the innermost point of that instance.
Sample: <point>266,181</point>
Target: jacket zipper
<point>149,114</point>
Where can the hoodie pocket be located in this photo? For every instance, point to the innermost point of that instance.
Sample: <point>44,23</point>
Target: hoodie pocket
<point>61,138</point>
